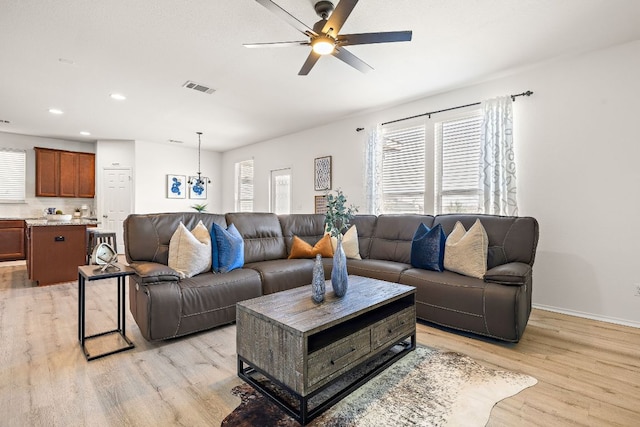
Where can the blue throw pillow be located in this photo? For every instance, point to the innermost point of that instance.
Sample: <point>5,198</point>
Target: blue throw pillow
<point>427,248</point>
<point>227,251</point>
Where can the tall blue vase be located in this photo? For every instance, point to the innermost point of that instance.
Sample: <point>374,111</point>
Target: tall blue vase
<point>317,285</point>
<point>339,279</point>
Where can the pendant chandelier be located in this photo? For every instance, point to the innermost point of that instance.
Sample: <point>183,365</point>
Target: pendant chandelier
<point>199,181</point>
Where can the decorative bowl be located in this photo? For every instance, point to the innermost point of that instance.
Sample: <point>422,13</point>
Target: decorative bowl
<point>66,217</point>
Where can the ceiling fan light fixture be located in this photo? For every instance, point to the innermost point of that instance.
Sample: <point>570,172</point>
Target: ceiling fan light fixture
<point>323,45</point>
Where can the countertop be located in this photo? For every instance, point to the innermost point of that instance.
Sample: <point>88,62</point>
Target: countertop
<point>39,222</point>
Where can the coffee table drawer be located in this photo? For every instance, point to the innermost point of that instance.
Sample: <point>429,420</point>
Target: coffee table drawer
<point>331,359</point>
<point>394,328</point>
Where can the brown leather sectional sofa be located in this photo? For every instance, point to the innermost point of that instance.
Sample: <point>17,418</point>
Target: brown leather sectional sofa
<point>165,306</point>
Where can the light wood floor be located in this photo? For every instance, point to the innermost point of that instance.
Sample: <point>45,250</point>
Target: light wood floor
<point>588,372</point>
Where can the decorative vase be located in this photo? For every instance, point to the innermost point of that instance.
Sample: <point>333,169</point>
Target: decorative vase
<point>317,286</point>
<point>339,280</point>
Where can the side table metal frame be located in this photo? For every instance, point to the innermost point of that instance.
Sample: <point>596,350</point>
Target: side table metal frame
<point>91,273</point>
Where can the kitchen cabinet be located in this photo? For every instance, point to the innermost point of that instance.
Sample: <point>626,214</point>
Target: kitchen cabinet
<point>47,172</point>
<point>55,252</point>
<point>12,240</point>
<point>86,175</point>
<point>62,173</point>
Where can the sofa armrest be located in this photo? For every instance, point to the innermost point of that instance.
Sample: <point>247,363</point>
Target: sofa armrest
<point>153,272</point>
<point>512,273</point>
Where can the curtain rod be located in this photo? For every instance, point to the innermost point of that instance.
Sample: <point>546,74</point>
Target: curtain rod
<point>513,98</point>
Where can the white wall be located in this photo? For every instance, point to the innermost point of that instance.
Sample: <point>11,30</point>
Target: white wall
<point>577,155</point>
<point>34,206</point>
<point>154,161</point>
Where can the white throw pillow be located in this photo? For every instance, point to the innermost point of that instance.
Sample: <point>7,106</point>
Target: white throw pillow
<point>190,251</point>
<point>465,252</point>
<point>350,243</point>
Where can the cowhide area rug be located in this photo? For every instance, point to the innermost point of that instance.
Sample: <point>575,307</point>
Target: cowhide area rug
<point>427,387</point>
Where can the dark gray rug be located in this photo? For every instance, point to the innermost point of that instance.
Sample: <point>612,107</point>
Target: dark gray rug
<point>425,388</point>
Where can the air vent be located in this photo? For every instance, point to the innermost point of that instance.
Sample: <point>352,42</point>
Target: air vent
<point>4,121</point>
<point>197,86</point>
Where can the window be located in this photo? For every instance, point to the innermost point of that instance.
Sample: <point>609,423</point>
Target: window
<point>244,186</point>
<point>457,178</point>
<point>403,169</point>
<point>281,191</point>
<point>12,175</point>
<point>427,166</point>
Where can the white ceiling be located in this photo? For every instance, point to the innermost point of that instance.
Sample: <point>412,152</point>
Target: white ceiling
<point>72,54</point>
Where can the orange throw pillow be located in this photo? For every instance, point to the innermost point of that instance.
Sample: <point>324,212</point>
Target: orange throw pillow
<point>301,249</point>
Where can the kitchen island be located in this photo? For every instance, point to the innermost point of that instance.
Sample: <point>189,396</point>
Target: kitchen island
<point>55,249</point>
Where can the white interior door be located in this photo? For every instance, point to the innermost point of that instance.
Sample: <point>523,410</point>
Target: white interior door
<point>116,201</point>
<point>281,191</point>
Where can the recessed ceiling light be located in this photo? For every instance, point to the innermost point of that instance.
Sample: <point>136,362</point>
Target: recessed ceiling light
<point>55,111</point>
<point>118,96</point>
<point>85,133</point>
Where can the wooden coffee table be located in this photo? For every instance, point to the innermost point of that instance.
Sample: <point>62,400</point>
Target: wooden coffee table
<point>303,348</point>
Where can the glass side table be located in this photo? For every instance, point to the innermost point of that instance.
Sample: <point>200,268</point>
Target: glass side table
<point>91,273</point>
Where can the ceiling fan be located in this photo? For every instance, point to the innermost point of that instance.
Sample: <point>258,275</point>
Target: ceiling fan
<point>325,39</point>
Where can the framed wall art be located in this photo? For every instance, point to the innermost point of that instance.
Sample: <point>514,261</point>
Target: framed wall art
<point>321,204</point>
<point>198,190</point>
<point>176,186</point>
<point>322,173</point>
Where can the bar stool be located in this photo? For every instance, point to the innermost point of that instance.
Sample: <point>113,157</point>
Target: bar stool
<point>95,236</point>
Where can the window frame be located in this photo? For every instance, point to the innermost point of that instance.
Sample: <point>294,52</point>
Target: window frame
<point>432,180</point>
<point>242,188</point>
<point>412,163</point>
<point>13,175</point>
<point>471,119</point>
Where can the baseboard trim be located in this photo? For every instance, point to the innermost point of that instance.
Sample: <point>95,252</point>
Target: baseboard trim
<point>585,315</point>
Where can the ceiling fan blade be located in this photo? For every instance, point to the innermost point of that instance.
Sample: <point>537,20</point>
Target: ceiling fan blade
<point>346,56</point>
<point>309,63</point>
<point>338,17</point>
<point>277,44</point>
<point>369,38</point>
<point>286,16</point>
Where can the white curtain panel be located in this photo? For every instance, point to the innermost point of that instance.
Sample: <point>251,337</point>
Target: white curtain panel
<point>497,159</point>
<point>373,170</point>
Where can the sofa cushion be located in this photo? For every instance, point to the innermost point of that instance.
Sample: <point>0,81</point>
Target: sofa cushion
<point>282,274</point>
<point>308,227</point>
<point>190,251</point>
<point>393,235</point>
<point>211,298</point>
<point>262,234</point>
<point>350,244</point>
<point>511,239</point>
<point>448,298</point>
<point>228,252</point>
<point>302,249</point>
<point>147,236</point>
<point>366,225</point>
<point>376,269</point>
<point>466,251</point>
<point>427,248</point>
<point>513,273</point>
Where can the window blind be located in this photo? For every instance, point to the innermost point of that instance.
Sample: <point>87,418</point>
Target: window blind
<point>12,175</point>
<point>457,186</point>
<point>403,170</point>
<point>244,188</point>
